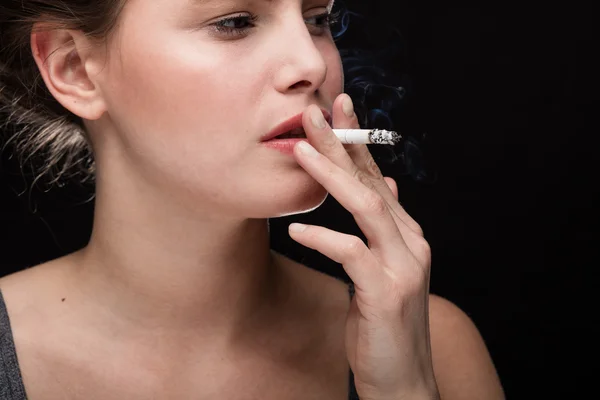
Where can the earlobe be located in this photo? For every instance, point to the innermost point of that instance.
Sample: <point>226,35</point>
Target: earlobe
<point>58,55</point>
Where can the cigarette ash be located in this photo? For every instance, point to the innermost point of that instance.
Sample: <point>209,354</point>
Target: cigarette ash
<point>381,136</point>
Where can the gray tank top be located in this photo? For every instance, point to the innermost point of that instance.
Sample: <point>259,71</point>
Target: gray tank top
<point>11,381</point>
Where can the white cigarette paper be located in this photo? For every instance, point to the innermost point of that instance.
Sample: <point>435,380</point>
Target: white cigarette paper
<point>367,136</point>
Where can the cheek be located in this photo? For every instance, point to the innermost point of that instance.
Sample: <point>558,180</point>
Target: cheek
<point>172,115</point>
<point>177,96</point>
<point>335,73</point>
<point>162,94</point>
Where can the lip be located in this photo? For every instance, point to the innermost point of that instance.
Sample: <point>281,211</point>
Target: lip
<point>286,146</point>
<point>292,123</point>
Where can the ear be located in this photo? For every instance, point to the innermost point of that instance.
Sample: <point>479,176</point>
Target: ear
<point>66,60</point>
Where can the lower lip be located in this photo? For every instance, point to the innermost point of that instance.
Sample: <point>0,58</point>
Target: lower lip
<point>285,146</point>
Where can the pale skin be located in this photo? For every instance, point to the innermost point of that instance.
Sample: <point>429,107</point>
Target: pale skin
<point>178,280</point>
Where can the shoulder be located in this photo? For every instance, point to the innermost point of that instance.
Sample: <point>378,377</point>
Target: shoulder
<point>18,289</point>
<point>29,294</point>
<point>461,361</point>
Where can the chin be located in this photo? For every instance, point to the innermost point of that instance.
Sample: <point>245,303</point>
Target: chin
<point>304,204</point>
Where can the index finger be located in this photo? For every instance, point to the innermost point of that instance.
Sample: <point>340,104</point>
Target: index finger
<point>369,209</point>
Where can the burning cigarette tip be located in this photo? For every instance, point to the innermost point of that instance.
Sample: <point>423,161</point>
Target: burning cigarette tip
<point>381,136</point>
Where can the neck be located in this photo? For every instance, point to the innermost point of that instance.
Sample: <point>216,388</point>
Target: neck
<point>153,267</point>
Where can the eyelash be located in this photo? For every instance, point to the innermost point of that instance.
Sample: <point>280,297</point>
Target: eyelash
<point>330,19</point>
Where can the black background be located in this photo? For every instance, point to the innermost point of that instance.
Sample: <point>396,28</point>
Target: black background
<point>503,92</point>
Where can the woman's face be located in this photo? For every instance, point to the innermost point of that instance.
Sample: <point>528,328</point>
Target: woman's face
<point>190,102</point>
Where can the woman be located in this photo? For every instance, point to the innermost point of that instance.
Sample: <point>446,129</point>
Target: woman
<point>178,294</point>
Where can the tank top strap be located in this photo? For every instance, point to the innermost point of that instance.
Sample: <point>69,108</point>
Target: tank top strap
<point>11,381</point>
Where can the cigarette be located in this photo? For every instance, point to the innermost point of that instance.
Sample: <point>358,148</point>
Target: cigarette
<point>368,136</point>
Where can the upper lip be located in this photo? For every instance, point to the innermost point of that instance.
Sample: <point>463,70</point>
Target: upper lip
<point>292,123</point>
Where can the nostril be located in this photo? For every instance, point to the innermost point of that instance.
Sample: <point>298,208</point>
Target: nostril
<point>301,84</point>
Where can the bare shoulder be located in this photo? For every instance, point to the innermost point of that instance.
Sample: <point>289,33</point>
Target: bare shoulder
<point>462,364</point>
<point>461,361</point>
<point>33,297</point>
<point>19,287</point>
<point>30,294</point>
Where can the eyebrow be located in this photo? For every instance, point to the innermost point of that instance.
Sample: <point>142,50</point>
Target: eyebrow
<point>212,1</point>
<point>329,6</point>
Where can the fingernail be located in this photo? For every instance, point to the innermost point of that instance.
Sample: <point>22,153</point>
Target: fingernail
<point>295,227</point>
<point>317,118</point>
<point>348,107</point>
<point>307,149</point>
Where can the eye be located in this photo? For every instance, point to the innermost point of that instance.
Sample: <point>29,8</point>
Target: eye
<point>326,20</point>
<point>323,20</point>
<point>240,25</point>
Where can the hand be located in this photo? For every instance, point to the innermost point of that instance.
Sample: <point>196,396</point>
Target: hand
<point>387,328</point>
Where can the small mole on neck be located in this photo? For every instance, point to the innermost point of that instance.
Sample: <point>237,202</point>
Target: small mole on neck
<point>63,299</point>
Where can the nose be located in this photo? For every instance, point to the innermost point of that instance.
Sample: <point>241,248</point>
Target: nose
<point>302,66</point>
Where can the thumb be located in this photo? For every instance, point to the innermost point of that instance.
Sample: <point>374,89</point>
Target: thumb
<point>392,185</point>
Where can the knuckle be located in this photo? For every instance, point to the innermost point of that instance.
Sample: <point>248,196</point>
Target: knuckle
<point>421,250</point>
<point>362,178</point>
<point>371,168</point>
<point>354,246</point>
<point>366,179</point>
<point>411,223</point>
<point>424,248</point>
<point>373,203</point>
<point>331,141</point>
<point>415,227</point>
